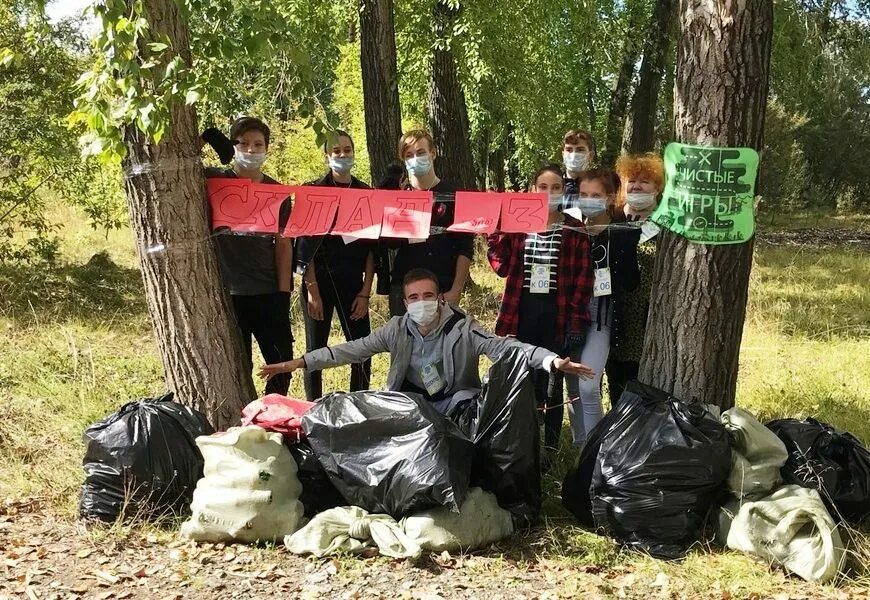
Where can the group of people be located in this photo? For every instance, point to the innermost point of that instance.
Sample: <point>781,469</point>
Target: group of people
<point>575,300</point>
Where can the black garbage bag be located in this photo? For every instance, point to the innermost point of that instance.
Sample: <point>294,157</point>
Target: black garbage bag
<point>501,422</point>
<point>389,452</point>
<point>318,493</point>
<point>659,468</point>
<point>829,460</point>
<point>142,461</point>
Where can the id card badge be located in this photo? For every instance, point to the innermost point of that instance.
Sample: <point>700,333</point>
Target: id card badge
<point>602,282</point>
<point>431,379</point>
<point>539,283</point>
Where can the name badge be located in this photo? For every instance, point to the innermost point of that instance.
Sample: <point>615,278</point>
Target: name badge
<point>602,282</point>
<point>431,379</point>
<point>539,282</point>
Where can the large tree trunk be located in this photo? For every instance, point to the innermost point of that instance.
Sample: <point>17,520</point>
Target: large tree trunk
<point>380,84</point>
<point>622,91</point>
<point>644,105</point>
<point>190,311</point>
<point>448,115</point>
<point>698,304</point>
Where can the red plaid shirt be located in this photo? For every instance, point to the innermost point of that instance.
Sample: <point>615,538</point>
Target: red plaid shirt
<point>574,281</point>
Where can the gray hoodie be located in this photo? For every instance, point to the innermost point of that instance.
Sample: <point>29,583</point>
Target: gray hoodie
<point>462,338</point>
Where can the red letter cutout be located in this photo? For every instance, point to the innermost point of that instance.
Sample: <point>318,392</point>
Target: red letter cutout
<point>228,199</point>
<point>313,211</point>
<point>407,214</point>
<point>524,213</point>
<point>476,212</point>
<point>359,214</point>
<point>269,199</point>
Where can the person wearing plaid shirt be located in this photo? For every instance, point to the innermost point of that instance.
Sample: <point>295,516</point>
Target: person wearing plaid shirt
<point>547,290</point>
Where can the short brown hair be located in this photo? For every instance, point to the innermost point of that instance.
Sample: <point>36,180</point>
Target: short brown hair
<point>242,125</point>
<point>607,178</point>
<point>575,136</point>
<point>419,274</point>
<point>412,137</point>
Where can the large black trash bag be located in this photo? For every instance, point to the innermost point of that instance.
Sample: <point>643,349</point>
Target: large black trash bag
<point>829,460</point>
<point>388,452</point>
<point>660,466</point>
<point>502,423</point>
<point>318,493</point>
<point>142,461</point>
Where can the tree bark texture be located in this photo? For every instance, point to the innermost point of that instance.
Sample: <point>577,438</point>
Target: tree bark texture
<point>190,311</point>
<point>380,84</point>
<point>698,304</point>
<point>622,92</point>
<point>644,104</point>
<point>448,114</point>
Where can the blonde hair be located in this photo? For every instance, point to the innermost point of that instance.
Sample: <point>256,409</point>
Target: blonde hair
<point>412,137</point>
<point>630,166</point>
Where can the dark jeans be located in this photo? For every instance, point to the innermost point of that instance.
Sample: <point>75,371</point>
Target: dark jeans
<point>337,296</point>
<point>619,372</point>
<point>537,326</point>
<point>266,317</point>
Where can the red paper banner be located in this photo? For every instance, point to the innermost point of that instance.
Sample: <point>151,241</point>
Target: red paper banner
<point>359,214</point>
<point>245,207</point>
<point>313,211</point>
<point>524,213</point>
<point>476,212</point>
<point>407,214</point>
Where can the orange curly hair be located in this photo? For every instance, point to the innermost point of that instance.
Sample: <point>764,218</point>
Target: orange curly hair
<point>629,166</point>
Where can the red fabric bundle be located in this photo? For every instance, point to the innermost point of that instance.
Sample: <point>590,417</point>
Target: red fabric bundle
<point>278,413</point>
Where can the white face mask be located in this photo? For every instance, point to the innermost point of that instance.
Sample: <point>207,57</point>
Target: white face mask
<point>423,312</point>
<point>418,165</point>
<point>246,160</point>
<point>640,200</point>
<point>575,161</point>
<point>341,164</point>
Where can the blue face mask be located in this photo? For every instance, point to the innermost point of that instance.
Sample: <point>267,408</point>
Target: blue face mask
<point>341,164</point>
<point>418,165</point>
<point>591,207</point>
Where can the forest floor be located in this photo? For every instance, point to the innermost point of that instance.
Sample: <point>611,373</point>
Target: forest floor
<point>78,344</point>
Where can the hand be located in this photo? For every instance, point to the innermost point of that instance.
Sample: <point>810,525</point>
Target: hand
<point>314,305</point>
<point>268,371</point>
<point>452,298</point>
<point>579,369</point>
<point>359,308</point>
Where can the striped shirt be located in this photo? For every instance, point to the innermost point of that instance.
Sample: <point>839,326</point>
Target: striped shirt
<point>542,249</point>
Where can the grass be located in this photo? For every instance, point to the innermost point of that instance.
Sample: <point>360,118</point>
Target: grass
<point>78,344</point>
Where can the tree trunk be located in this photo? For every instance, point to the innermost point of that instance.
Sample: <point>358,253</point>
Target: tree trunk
<point>190,311</point>
<point>644,105</point>
<point>698,304</point>
<point>622,91</point>
<point>380,84</point>
<point>448,115</point>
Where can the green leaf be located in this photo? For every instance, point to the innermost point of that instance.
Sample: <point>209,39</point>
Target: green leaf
<point>192,97</point>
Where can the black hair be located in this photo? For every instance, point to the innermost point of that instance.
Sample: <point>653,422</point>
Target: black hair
<point>548,168</point>
<point>419,274</point>
<point>242,125</point>
<point>334,138</point>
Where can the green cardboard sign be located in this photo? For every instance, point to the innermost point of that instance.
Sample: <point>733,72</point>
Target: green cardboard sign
<point>709,193</point>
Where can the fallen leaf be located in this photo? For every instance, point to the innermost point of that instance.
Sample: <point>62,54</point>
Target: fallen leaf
<point>31,593</point>
<point>661,580</point>
<point>444,560</point>
<point>106,576</point>
<point>105,595</point>
<point>140,573</point>
<point>84,553</point>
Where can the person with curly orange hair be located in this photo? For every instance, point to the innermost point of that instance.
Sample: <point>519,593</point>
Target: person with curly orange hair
<point>643,180</point>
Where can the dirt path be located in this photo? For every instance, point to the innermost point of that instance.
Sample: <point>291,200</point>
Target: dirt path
<point>49,558</point>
